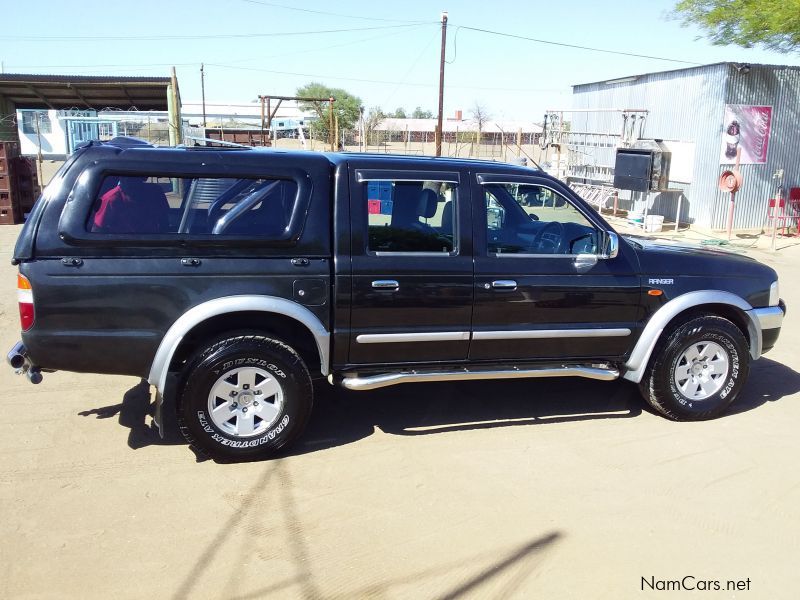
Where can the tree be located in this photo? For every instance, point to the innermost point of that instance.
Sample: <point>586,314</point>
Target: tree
<point>774,24</point>
<point>421,114</point>
<point>400,113</point>
<point>480,116</point>
<point>345,107</point>
<point>374,117</point>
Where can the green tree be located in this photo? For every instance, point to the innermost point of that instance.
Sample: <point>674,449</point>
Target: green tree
<point>345,107</point>
<point>774,24</point>
<point>400,113</point>
<point>421,114</point>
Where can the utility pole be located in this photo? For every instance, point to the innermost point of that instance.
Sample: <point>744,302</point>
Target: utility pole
<point>361,132</point>
<point>330,124</point>
<point>262,99</point>
<point>269,122</point>
<point>441,86</point>
<point>174,106</point>
<point>203,95</point>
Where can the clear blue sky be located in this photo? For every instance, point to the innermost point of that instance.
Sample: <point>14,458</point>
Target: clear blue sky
<point>512,78</point>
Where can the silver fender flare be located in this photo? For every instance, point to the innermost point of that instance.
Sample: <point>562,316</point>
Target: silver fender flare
<point>637,363</point>
<point>231,304</point>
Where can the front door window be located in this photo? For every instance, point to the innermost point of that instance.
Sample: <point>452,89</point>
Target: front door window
<point>532,219</point>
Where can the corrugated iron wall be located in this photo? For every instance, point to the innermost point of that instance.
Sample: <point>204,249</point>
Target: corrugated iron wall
<point>778,87</point>
<point>689,105</point>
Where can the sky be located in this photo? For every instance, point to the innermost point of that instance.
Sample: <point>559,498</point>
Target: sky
<point>386,53</point>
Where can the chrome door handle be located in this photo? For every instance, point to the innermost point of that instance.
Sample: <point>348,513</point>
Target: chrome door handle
<point>584,262</point>
<point>504,284</point>
<point>386,284</point>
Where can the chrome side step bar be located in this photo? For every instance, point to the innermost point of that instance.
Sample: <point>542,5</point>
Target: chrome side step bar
<point>371,382</point>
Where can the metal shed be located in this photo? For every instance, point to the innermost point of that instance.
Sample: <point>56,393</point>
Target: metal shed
<point>56,92</point>
<point>688,108</point>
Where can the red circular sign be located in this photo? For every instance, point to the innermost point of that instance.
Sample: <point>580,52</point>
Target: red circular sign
<point>730,181</point>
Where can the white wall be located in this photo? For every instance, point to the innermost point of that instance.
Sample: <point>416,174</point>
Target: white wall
<point>53,143</point>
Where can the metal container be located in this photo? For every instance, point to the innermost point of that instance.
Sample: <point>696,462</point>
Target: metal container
<point>644,167</point>
<point>687,106</point>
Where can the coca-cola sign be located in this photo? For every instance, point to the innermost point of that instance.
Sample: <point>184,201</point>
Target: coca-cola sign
<point>745,134</point>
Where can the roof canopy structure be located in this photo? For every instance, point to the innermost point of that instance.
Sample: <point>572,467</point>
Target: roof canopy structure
<point>82,91</point>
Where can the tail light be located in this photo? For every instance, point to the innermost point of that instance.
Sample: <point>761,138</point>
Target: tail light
<point>25,297</point>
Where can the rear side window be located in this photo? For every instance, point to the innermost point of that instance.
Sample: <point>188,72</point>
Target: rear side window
<point>410,216</point>
<point>258,208</point>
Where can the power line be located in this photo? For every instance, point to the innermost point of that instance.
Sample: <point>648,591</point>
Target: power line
<point>129,66</point>
<point>411,68</point>
<point>381,81</point>
<point>406,25</point>
<point>312,50</point>
<point>331,14</point>
<point>95,38</point>
<point>195,64</point>
<point>575,46</point>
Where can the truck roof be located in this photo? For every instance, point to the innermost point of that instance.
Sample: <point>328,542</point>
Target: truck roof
<point>335,158</point>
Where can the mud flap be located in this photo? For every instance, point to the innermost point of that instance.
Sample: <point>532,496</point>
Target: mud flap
<point>165,402</point>
<point>158,416</point>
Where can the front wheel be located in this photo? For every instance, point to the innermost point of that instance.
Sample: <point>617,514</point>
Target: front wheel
<point>698,370</point>
<point>244,397</point>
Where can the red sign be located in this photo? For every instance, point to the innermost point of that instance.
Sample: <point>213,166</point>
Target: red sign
<point>745,134</point>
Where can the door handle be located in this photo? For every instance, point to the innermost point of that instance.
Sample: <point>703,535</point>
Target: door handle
<point>386,284</point>
<point>584,262</point>
<point>504,284</point>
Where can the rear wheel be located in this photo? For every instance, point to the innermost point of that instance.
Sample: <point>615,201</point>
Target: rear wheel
<point>698,370</point>
<point>245,397</point>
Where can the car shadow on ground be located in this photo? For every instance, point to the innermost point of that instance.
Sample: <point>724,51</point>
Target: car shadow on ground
<point>769,381</point>
<point>343,417</point>
<point>135,412</point>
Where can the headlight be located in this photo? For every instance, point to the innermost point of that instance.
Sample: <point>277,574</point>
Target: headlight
<point>774,294</point>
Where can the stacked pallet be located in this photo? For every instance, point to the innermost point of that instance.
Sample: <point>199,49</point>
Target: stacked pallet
<point>19,186</point>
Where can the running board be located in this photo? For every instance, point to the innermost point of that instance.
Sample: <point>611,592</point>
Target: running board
<point>371,382</point>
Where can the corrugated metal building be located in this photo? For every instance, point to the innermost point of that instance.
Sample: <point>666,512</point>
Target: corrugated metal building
<point>687,109</point>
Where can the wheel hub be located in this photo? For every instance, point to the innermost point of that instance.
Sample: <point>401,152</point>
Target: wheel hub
<point>697,367</point>
<point>245,402</point>
<point>701,370</point>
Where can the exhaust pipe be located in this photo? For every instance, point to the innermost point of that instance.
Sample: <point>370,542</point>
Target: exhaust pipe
<point>20,361</point>
<point>17,361</point>
<point>18,356</point>
<point>34,375</point>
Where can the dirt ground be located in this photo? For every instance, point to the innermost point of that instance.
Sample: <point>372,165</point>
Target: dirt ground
<point>548,489</point>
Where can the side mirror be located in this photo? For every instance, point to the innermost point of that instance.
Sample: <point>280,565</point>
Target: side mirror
<point>496,216</point>
<point>610,245</point>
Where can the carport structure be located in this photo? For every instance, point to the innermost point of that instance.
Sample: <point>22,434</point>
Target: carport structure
<point>61,92</point>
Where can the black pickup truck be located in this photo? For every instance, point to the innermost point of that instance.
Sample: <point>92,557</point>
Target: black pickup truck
<point>231,278</point>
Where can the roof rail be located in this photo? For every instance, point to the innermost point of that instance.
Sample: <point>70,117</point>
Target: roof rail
<point>213,141</point>
<point>123,141</point>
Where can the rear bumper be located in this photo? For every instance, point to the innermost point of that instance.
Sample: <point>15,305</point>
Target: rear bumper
<point>768,323</point>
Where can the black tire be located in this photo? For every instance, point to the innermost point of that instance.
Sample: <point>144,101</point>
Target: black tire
<point>224,365</point>
<point>659,386</point>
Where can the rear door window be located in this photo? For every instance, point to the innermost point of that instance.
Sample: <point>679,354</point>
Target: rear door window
<point>411,216</point>
<point>226,206</point>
